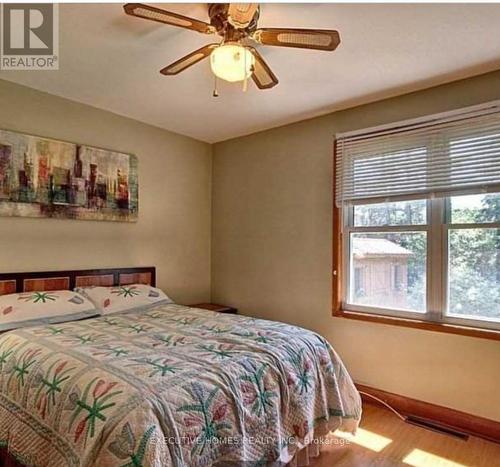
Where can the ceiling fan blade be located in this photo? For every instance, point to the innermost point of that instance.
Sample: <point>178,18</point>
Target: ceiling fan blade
<point>189,60</point>
<point>317,39</point>
<point>240,15</point>
<point>262,75</point>
<point>167,17</point>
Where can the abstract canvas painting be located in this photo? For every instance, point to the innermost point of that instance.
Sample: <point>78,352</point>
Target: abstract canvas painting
<point>41,177</point>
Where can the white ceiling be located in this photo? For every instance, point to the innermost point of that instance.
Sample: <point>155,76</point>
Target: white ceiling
<point>112,61</point>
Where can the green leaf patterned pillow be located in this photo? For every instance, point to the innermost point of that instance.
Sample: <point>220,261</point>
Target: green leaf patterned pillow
<point>43,307</point>
<point>124,297</point>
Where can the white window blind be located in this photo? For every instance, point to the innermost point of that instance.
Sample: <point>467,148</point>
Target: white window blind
<point>443,155</point>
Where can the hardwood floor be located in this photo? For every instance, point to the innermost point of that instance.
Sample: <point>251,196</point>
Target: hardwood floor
<point>384,440</point>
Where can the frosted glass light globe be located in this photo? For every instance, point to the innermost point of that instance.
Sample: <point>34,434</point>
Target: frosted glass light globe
<point>232,62</point>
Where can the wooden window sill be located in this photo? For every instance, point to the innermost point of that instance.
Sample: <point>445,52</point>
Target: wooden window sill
<point>413,323</point>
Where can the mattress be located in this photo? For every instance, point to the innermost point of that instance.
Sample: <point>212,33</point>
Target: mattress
<point>169,385</point>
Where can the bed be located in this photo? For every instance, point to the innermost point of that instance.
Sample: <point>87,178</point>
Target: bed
<point>165,385</point>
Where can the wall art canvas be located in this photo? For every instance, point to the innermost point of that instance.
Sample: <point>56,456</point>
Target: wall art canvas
<point>42,177</point>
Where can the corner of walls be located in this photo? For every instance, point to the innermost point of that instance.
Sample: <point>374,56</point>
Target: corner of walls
<point>211,151</point>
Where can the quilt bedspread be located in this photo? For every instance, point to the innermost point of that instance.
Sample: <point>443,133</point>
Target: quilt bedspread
<point>168,385</point>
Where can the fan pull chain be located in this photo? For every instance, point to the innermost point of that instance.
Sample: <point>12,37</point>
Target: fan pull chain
<point>215,93</point>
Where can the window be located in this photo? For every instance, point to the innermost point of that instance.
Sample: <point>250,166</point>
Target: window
<point>384,254</point>
<point>388,249</point>
<point>473,257</point>
<point>420,229</point>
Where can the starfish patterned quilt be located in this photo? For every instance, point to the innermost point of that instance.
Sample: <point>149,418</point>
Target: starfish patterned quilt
<point>169,385</point>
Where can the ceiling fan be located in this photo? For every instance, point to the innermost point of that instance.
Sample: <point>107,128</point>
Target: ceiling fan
<point>234,58</point>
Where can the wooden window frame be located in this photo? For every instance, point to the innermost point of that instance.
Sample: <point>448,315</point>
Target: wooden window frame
<point>339,279</point>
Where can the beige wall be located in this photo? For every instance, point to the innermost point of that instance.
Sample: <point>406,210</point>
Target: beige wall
<point>271,252</point>
<point>271,232</point>
<point>173,231</point>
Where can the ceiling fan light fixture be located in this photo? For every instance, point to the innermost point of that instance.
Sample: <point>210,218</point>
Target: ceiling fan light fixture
<point>235,59</point>
<point>232,62</point>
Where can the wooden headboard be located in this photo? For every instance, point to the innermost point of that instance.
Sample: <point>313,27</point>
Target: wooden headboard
<point>18,282</point>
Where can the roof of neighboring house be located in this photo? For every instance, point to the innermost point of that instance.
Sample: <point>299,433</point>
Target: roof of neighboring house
<point>363,247</point>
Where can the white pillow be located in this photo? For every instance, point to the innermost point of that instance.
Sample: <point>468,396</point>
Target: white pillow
<point>124,297</point>
<point>35,308</point>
